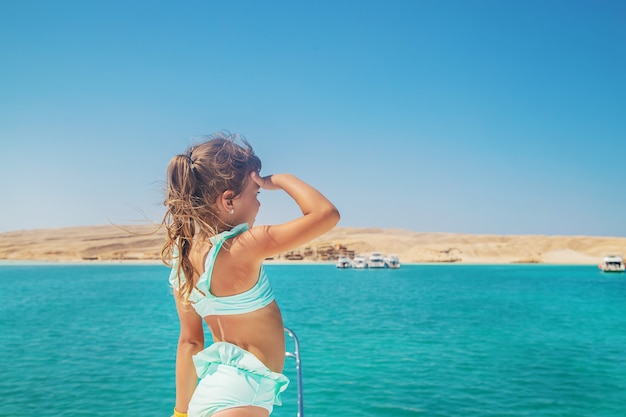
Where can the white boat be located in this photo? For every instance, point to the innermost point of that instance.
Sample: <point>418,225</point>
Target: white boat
<point>392,261</point>
<point>376,260</point>
<point>612,263</point>
<point>344,262</point>
<point>359,262</point>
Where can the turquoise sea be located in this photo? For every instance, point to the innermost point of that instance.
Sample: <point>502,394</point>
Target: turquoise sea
<point>424,340</point>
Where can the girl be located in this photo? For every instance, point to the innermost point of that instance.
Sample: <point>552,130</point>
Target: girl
<point>217,275</point>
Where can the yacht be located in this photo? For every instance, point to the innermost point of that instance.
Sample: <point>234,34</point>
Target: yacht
<point>359,262</point>
<point>344,262</point>
<point>392,261</point>
<point>376,260</point>
<point>612,263</point>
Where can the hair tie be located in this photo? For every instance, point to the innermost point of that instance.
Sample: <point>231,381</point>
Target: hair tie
<point>190,161</point>
<point>178,413</point>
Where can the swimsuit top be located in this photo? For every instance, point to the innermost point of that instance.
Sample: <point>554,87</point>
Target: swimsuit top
<point>255,298</point>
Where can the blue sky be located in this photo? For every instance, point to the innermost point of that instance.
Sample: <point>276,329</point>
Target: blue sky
<point>490,117</point>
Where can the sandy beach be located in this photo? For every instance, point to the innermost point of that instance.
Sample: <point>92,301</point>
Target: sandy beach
<point>142,244</point>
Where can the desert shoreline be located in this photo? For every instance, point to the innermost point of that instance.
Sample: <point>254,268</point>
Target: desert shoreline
<point>141,245</point>
<point>26,262</point>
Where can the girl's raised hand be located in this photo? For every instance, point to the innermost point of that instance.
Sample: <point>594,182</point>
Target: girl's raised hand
<point>265,183</point>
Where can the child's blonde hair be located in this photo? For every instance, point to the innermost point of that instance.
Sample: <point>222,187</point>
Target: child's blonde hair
<point>195,181</point>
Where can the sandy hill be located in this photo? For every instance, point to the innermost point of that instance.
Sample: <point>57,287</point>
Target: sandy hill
<point>143,243</point>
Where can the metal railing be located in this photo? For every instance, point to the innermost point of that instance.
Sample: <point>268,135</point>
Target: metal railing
<point>296,355</point>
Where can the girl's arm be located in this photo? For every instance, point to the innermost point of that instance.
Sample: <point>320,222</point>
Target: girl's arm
<point>190,342</point>
<point>319,215</point>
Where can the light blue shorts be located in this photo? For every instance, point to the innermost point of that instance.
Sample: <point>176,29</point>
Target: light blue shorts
<point>233,377</point>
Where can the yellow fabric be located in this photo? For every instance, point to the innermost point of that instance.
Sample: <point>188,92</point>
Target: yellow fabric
<point>179,414</point>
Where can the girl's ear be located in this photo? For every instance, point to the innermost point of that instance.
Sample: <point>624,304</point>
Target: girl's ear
<point>226,200</point>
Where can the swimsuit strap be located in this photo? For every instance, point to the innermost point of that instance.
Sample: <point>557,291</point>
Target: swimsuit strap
<point>206,304</point>
<point>217,242</point>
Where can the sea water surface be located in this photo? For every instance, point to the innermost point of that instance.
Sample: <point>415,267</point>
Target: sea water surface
<point>424,340</point>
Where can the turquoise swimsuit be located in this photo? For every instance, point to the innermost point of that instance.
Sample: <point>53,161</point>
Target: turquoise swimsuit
<point>255,298</point>
<point>229,375</point>
<point>233,377</point>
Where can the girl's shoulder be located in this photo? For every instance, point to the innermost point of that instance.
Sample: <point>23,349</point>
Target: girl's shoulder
<point>251,243</point>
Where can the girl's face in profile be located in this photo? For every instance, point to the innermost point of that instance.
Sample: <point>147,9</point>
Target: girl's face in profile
<point>246,204</point>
